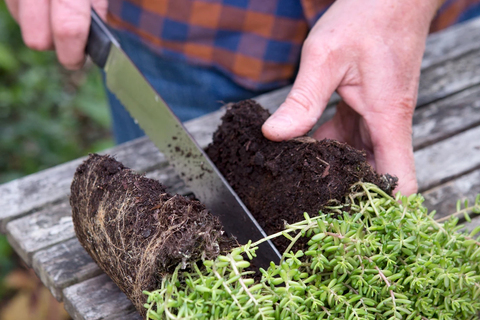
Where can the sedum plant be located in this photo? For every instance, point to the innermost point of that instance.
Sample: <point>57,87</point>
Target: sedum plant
<point>373,257</point>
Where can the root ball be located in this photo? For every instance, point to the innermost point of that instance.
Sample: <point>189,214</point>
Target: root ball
<point>135,230</point>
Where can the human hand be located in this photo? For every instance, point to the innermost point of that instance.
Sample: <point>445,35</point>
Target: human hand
<point>61,25</point>
<point>370,51</point>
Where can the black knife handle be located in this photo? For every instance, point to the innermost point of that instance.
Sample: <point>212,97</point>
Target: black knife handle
<point>100,39</point>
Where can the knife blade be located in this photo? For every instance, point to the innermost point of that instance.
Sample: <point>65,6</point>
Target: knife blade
<point>169,135</point>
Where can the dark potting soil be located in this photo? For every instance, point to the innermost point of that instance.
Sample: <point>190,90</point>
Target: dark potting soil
<point>279,181</point>
<point>135,230</point>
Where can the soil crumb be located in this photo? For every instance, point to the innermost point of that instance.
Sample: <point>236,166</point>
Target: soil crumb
<point>135,230</point>
<point>279,181</point>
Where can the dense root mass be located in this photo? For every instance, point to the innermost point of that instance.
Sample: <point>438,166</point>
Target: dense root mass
<point>135,230</point>
<point>279,181</point>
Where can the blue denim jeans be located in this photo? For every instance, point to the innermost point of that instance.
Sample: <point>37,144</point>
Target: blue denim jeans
<point>191,91</point>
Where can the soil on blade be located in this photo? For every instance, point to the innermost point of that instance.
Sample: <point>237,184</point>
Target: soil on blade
<point>135,230</point>
<point>279,181</point>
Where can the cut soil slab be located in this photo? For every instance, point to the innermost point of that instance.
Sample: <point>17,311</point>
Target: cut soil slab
<point>279,181</point>
<point>135,230</point>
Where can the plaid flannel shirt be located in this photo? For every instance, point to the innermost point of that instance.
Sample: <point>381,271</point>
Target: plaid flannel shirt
<point>256,43</point>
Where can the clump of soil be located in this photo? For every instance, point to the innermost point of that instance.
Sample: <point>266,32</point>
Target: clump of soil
<point>135,230</point>
<point>279,181</point>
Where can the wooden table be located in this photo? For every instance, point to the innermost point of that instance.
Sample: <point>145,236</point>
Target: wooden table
<point>36,216</point>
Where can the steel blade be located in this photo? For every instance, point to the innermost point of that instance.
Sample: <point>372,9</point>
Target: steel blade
<point>187,158</point>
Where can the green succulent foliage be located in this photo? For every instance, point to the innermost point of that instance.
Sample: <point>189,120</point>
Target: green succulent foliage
<point>47,115</point>
<point>385,259</point>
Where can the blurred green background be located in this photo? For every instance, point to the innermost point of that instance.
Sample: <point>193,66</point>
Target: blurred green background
<point>47,115</point>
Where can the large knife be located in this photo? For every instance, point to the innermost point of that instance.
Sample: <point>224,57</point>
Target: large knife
<point>173,140</point>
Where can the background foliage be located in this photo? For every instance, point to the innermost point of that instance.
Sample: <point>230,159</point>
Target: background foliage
<point>47,115</point>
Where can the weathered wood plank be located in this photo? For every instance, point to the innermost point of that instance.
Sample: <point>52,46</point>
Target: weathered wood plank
<point>63,265</point>
<point>451,42</point>
<point>53,224</point>
<point>40,230</point>
<point>98,298</point>
<point>448,159</point>
<point>451,76</point>
<point>472,225</point>
<point>444,197</point>
<point>19,197</point>
<point>446,117</point>
<point>439,120</point>
<point>272,100</point>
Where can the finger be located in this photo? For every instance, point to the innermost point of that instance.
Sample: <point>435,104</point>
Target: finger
<point>318,77</point>
<point>70,25</point>
<point>101,6</point>
<point>391,136</point>
<point>12,6</point>
<point>329,130</point>
<point>342,127</point>
<point>33,18</point>
<point>347,126</point>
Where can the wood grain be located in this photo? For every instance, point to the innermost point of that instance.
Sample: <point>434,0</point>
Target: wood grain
<point>98,298</point>
<point>447,117</point>
<point>40,230</point>
<point>451,76</point>
<point>448,159</point>
<point>451,42</point>
<point>22,196</point>
<point>63,265</point>
<point>31,193</point>
<point>444,197</point>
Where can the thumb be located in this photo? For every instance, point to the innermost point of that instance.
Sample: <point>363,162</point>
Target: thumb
<point>393,150</point>
<point>317,79</point>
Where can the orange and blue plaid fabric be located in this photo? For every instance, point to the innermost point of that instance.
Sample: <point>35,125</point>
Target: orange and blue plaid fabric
<point>256,43</point>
